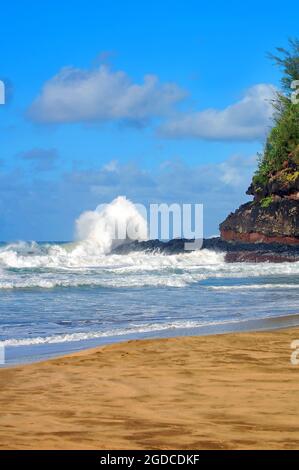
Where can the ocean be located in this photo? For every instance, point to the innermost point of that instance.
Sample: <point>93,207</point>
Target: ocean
<point>60,297</point>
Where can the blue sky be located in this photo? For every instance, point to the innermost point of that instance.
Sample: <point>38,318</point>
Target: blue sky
<point>159,101</point>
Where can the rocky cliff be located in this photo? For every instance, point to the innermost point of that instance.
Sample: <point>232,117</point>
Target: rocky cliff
<point>273,215</point>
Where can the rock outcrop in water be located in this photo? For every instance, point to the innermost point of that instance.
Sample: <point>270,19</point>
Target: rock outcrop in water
<point>234,251</point>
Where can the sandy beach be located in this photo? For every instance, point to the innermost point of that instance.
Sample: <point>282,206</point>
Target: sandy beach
<point>232,391</point>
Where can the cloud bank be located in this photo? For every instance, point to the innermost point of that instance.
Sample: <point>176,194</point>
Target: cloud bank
<point>245,120</point>
<point>101,95</point>
<point>77,95</point>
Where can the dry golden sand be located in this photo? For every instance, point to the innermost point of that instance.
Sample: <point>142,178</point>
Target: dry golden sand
<point>234,391</point>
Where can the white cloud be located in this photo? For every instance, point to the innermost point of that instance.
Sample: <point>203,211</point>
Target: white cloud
<point>75,95</point>
<point>237,170</point>
<point>247,119</point>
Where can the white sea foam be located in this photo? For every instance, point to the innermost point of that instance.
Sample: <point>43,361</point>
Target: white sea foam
<point>255,286</point>
<point>89,255</point>
<point>134,281</point>
<point>50,266</point>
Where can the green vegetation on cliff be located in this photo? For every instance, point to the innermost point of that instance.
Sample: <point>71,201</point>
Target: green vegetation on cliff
<point>273,215</point>
<point>282,145</point>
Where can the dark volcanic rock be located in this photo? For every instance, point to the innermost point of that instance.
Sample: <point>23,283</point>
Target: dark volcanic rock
<point>234,251</point>
<point>260,257</point>
<point>278,222</point>
<point>273,215</point>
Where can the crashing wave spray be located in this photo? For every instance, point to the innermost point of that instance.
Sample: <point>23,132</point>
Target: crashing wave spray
<point>97,233</point>
<point>110,225</point>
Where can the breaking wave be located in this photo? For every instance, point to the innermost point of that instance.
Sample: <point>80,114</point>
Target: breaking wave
<point>97,232</point>
<point>255,286</point>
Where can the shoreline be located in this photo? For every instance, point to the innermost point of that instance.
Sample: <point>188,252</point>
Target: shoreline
<point>29,354</point>
<point>223,391</point>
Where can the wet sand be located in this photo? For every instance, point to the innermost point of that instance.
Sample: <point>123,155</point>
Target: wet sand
<point>231,391</point>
